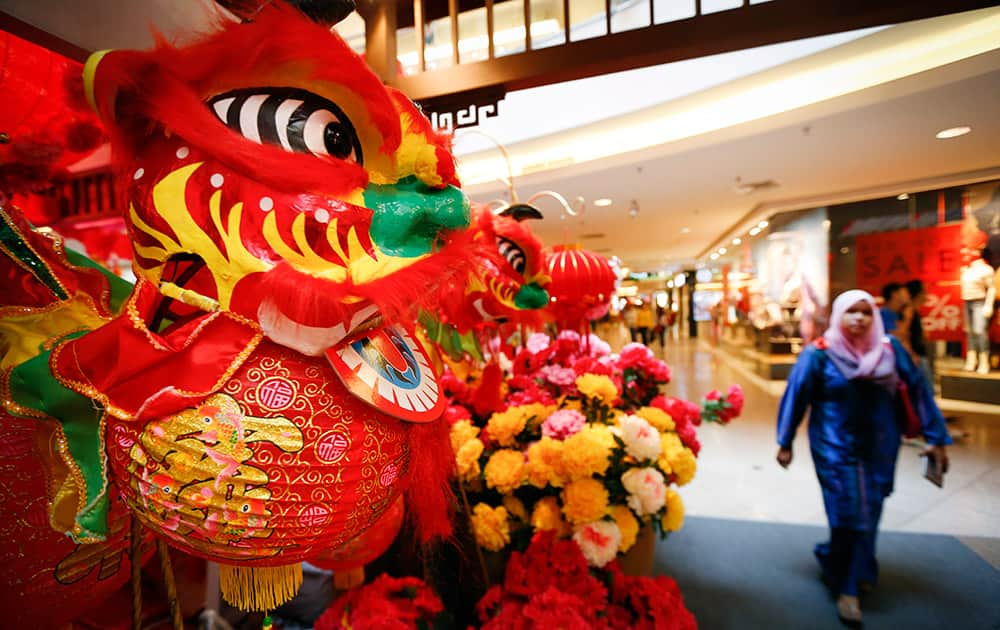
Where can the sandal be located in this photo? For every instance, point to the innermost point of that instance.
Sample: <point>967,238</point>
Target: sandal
<point>849,610</point>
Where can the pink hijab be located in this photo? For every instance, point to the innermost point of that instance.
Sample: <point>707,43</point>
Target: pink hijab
<point>870,357</point>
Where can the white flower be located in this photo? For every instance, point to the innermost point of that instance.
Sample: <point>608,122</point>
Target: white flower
<point>599,541</point>
<point>647,492</point>
<point>642,440</point>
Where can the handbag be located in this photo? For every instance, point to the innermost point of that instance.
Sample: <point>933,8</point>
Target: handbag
<point>911,427</point>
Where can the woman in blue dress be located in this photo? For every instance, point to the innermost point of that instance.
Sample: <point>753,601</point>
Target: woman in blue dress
<point>850,379</point>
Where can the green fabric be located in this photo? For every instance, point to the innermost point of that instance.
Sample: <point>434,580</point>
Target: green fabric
<point>448,339</point>
<point>531,296</point>
<point>12,244</point>
<point>120,289</point>
<point>408,215</point>
<point>33,385</point>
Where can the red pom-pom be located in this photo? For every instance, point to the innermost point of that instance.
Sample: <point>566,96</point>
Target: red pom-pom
<point>83,135</point>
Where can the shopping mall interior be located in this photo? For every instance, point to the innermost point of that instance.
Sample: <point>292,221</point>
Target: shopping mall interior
<point>537,314</point>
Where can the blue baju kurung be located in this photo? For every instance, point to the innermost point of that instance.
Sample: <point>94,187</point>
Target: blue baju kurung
<point>854,436</point>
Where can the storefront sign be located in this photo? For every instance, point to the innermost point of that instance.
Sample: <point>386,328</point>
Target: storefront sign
<point>932,255</point>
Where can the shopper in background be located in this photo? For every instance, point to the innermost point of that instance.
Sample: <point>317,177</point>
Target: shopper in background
<point>978,294</point>
<point>912,329</point>
<point>850,380</point>
<point>662,323</point>
<point>631,317</point>
<point>645,323</point>
<point>894,298</point>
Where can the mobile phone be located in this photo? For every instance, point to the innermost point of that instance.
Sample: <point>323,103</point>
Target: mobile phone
<point>932,471</point>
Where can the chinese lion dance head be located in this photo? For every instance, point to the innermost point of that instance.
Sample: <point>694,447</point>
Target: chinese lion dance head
<point>261,398</point>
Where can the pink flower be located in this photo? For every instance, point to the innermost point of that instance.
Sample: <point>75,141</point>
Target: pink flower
<point>454,413</point>
<point>713,395</point>
<point>735,398</point>
<point>569,335</point>
<point>678,409</point>
<point>598,347</point>
<point>658,370</point>
<point>689,437</point>
<point>633,355</point>
<point>558,375</point>
<point>563,423</point>
<point>537,342</point>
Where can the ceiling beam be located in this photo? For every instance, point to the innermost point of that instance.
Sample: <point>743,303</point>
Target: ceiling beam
<point>746,27</point>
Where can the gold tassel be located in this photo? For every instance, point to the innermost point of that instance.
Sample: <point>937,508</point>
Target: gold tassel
<point>259,588</point>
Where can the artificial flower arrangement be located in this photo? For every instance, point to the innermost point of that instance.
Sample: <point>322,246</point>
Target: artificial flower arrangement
<point>582,445</point>
<point>386,603</point>
<point>549,585</point>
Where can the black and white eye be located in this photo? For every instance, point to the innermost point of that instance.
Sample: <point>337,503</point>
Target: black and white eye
<point>296,120</point>
<point>514,254</point>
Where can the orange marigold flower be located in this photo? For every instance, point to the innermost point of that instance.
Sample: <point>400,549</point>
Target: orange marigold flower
<point>585,500</point>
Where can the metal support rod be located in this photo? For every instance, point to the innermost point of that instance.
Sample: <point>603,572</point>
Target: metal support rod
<point>489,29</point>
<point>607,15</point>
<point>453,15</point>
<point>418,28</point>
<point>527,24</point>
<point>168,577</point>
<point>652,12</point>
<point>566,19</point>
<point>697,8</point>
<point>135,560</point>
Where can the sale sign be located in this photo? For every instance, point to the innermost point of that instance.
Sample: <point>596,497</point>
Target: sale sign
<point>932,255</point>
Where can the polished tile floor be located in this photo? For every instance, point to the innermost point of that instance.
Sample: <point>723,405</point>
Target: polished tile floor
<point>738,477</point>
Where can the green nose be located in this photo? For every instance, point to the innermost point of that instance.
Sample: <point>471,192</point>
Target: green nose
<point>408,215</point>
<point>531,296</point>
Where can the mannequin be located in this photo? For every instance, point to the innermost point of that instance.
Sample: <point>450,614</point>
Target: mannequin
<point>978,294</point>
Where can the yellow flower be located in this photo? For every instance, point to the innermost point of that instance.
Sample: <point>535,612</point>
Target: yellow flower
<point>597,386</point>
<point>505,470</point>
<point>490,527</point>
<point>504,426</point>
<point>677,459</point>
<point>467,459</point>
<point>628,525</point>
<point>571,403</point>
<point>515,508</point>
<point>657,417</point>
<point>585,500</point>
<point>673,520</point>
<point>547,515</point>
<point>545,463</point>
<point>461,432</point>
<point>587,452</point>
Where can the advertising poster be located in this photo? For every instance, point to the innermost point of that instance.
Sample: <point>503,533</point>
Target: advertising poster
<point>932,255</point>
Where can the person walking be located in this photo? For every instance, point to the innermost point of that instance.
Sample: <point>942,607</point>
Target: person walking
<point>850,380</point>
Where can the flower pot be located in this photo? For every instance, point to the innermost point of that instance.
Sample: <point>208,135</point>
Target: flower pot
<point>638,561</point>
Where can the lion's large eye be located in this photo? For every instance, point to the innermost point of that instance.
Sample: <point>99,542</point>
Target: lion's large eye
<point>514,254</point>
<point>294,119</point>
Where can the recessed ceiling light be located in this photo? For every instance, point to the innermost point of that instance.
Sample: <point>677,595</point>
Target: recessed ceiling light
<point>754,231</point>
<point>714,256</point>
<point>685,230</point>
<point>953,132</point>
<point>737,241</point>
<point>602,202</point>
<point>902,196</point>
<point>762,224</point>
<point>722,250</point>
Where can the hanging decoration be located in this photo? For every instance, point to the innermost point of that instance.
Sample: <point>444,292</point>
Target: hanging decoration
<point>582,286</point>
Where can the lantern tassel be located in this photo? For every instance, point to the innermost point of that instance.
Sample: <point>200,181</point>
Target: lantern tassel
<point>259,588</point>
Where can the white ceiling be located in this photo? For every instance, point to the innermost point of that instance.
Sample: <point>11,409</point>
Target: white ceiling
<point>873,149</point>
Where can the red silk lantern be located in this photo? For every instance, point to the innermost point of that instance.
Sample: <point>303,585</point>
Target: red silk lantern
<point>371,544</point>
<point>582,285</point>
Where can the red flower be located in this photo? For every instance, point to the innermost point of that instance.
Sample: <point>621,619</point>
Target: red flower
<point>553,608</point>
<point>689,437</point>
<point>453,413</point>
<point>633,355</point>
<point>713,395</point>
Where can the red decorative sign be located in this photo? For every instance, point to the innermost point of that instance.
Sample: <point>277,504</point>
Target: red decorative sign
<point>932,255</point>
